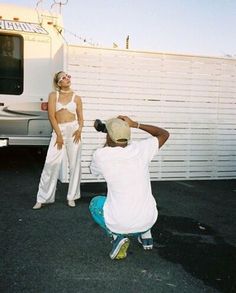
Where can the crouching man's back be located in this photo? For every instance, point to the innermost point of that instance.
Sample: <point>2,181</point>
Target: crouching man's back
<point>129,208</point>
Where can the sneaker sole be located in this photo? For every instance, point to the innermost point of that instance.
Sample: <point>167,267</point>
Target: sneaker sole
<point>150,247</point>
<point>120,251</point>
<point>123,250</point>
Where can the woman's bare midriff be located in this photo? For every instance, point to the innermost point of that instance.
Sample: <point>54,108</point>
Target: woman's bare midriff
<point>64,116</point>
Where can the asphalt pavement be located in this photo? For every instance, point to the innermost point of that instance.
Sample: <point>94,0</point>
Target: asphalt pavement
<point>60,249</point>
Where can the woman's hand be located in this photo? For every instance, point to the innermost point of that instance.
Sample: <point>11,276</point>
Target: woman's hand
<point>59,142</point>
<point>77,136</point>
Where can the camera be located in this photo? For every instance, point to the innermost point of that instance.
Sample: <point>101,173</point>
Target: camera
<point>99,126</point>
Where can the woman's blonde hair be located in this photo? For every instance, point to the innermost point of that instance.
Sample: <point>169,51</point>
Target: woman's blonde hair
<point>55,80</point>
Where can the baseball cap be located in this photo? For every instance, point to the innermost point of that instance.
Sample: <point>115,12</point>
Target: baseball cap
<point>118,129</point>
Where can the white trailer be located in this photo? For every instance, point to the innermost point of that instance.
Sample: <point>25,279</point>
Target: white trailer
<point>194,97</point>
<point>31,50</point>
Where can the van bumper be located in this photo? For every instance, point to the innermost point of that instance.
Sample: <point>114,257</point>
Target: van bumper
<point>19,140</point>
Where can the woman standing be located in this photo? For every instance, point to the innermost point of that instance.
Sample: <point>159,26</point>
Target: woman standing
<point>65,113</point>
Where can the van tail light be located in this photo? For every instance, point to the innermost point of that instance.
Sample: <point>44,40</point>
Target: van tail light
<point>44,106</point>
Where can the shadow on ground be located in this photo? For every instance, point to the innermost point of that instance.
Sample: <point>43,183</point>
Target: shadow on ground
<point>198,249</point>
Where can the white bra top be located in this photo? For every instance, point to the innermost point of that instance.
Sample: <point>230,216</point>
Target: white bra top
<point>71,106</point>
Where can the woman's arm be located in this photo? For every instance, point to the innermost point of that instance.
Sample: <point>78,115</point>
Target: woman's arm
<point>79,111</point>
<point>52,119</point>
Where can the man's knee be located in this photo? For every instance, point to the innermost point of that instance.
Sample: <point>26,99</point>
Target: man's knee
<point>97,203</point>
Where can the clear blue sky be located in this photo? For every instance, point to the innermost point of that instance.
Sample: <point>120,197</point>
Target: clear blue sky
<point>205,27</point>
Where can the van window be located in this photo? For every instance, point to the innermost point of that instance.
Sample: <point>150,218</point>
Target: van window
<point>11,64</point>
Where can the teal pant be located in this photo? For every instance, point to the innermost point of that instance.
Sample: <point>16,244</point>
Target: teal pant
<point>96,210</point>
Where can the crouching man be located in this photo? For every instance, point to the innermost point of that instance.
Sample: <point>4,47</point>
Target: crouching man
<point>129,209</point>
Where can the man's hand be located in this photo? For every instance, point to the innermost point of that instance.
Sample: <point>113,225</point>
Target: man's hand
<point>161,134</point>
<point>131,123</point>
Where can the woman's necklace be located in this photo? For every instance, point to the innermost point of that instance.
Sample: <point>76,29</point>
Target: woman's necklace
<point>65,92</point>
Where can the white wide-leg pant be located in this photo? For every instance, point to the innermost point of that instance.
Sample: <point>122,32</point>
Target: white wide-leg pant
<point>50,173</point>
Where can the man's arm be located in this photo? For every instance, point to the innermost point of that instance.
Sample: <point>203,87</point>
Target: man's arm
<point>161,134</point>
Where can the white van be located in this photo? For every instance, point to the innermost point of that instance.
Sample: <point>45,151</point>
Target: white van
<point>31,50</point>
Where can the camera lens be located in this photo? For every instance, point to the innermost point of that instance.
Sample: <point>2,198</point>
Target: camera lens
<point>99,126</point>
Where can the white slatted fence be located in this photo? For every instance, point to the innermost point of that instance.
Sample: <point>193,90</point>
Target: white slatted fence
<point>193,97</point>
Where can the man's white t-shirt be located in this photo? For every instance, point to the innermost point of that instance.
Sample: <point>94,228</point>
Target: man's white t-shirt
<point>130,206</point>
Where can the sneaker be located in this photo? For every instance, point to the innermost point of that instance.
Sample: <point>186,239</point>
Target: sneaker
<point>119,248</point>
<point>37,206</point>
<point>71,203</point>
<point>146,243</point>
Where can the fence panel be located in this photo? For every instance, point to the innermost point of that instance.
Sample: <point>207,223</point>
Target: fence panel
<point>193,97</point>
